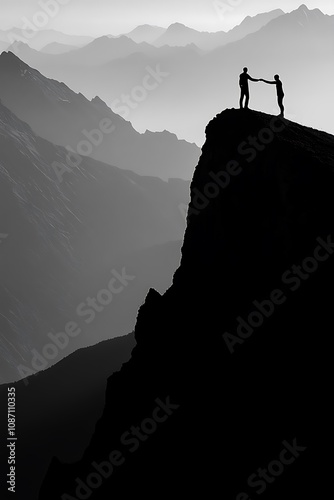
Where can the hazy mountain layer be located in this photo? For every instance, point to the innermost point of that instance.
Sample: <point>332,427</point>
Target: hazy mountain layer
<point>57,48</point>
<point>179,35</point>
<point>299,46</point>
<point>63,242</point>
<point>39,38</point>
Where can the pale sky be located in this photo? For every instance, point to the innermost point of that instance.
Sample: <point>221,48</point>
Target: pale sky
<point>99,17</point>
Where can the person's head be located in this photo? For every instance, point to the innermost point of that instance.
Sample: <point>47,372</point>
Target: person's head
<point>276,77</point>
<point>245,70</point>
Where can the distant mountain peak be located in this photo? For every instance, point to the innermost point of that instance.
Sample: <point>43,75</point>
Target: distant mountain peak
<point>178,27</point>
<point>98,100</point>
<point>13,65</point>
<point>100,39</point>
<point>303,7</point>
<point>146,33</point>
<point>9,58</point>
<point>146,26</point>
<point>105,40</point>
<point>304,11</point>
<point>99,103</point>
<point>19,45</point>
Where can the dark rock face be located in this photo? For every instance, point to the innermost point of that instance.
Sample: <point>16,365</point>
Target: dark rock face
<point>261,244</point>
<point>61,404</point>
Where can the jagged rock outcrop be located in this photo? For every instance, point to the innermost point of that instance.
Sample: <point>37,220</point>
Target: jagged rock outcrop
<point>257,250</point>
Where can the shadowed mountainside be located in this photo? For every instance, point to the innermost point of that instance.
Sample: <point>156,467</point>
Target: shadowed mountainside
<point>234,403</point>
<point>51,405</point>
<point>65,238</point>
<point>35,98</point>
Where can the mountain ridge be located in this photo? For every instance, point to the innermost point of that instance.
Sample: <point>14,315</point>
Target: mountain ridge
<point>161,154</point>
<point>177,34</point>
<point>63,237</point>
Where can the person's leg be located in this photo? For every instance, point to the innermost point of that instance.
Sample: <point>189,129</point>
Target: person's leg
<point>247,100</point>
<point>241,99</point>
<point>281,105</point>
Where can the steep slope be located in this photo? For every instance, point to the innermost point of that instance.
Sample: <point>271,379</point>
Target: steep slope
<point>204,412</point>
<point>251,25</point>
<point>64,238</point>
<point>34,99</point>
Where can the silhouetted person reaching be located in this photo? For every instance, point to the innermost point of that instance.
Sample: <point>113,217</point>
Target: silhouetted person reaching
<point>243,82</point>
<point>280,91</point>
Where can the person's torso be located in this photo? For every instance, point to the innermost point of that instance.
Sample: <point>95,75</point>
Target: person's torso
<point>244,80</point>
<point>279,87</point>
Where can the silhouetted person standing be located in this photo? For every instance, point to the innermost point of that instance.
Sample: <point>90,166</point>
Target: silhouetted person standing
<point>280,91</point>
<point>243,82</point>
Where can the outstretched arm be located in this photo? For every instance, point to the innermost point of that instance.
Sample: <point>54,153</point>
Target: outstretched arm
<point>267,81</point>
<point>253,79</point>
